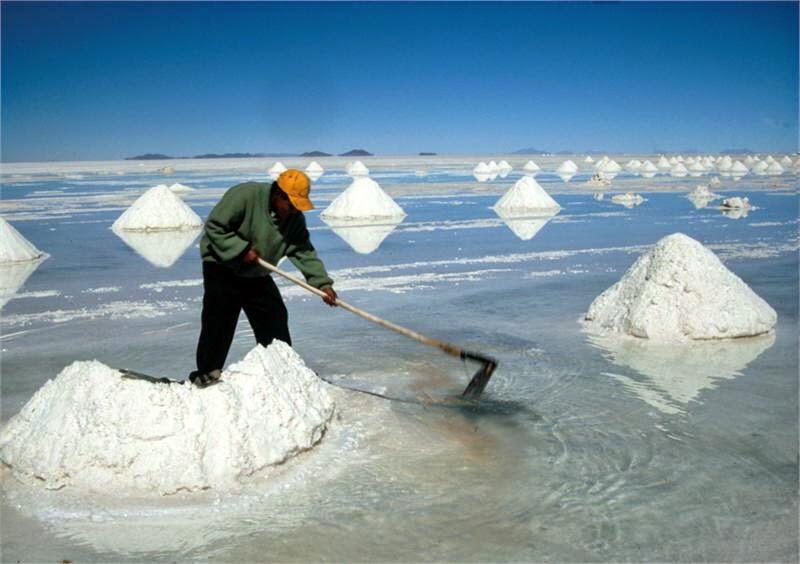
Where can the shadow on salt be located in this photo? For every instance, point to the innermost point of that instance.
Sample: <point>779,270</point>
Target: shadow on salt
<point>363,237</point>
<point>160,248</point>
<point>677,374</point>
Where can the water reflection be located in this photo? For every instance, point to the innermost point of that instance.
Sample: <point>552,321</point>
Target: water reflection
<point>526,225</point>
<point>13,276</point>
<point>363,238</point>
<point>159,248</point>
<point>676,374</point>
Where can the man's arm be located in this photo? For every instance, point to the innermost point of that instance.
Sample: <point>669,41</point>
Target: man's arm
<point>302,254</point>
<point>222,226</point>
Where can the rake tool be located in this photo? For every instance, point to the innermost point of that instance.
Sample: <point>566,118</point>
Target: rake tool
<point>478,381</point>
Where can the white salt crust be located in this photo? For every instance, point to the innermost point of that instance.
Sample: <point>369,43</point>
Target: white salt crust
<point>14,247</point>
<point>680,291</point>
<point>93,430</point>
<point>158,209</point>
<point>363,199</point>
<point>526,194</point>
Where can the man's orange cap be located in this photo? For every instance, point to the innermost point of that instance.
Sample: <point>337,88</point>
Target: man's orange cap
<point>297,186</point>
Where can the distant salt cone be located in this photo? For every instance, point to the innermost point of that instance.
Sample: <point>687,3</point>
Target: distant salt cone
<point>158,209</point>
<point>14,247</point>
<point>648,169</point>
<point>588,159</point>
<point>160,248</point>
<point>679,170</point>
<point>774,169</point>
<point>363,200</point>
<point>525,196</point>
<point>663,164</point>
<point>531,168</point>
<point>525,225</point>
<point>363,238</point>
<point>314,171</point>
<point>92,430</point>
<point>179,188</point>
<point>276,170</point>
<point>680,291</point>
<point>357,169</point>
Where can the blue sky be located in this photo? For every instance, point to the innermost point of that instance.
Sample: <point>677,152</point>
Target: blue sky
<point>106,81</point>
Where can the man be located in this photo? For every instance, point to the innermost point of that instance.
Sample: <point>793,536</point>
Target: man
<point>253,220</point>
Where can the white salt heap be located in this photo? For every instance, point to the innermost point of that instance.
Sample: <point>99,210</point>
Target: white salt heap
<point>180,188</point>
<point>276,170</point>
<point>526,194</point>
<point>14,247</point>
<point>588,159</point>
<point>678,170</point>
<point>774,169</point>
<point>567,167</point>
<point>357,169</point>
<point>648,169</point>
<point>314,168</point>
<point>760,168</point>
<point>531,168</point>
<point>628,199</point>
<point>786,161</point>
<point>679,291</point>
<point>663,163</point>
<point>158,209</point>
<point>363,199</point>
<point>91,429</point>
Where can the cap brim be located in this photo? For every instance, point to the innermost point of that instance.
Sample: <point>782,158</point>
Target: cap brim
<point>302,204</point>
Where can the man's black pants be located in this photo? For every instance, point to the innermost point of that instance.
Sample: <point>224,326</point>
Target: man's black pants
<point>225,296</point>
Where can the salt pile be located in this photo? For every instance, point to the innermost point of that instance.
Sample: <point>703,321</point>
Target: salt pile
<point>364,199</point>
<point>482,172</point>
<point>608,168</point>
<point>526,194</point>
<point>738,170</point>
<point>91,429</point>
<point>588,159</point>
<point>567,170</point>
<point>14,247</point>
<point>158,209</point>
<point>648,169</point>
<point>531,168</point>
<point>663,163</point>
<point>696,169</point>
<point>774,169</point>
<point>749,160</point>
<point>629,199</point>
<point>179,188</point>
<point>679,291</point>
<point>736,203</point>
<point>633,165</point>
<point>679,170</point>
<point>357,169</point>
<point>715,181</point>
<point>276,170</point>
<point>314,171</point>
<point>314,168</point>
<point>760,168</point>
<point>701,196</point>
<point>504,167</point>
<point>786,161</point>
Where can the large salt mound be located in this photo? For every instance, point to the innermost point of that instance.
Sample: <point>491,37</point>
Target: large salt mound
<point>14,247</point>
<point>363,199</point>
<point>679,291</point>
<point>91,429</point>
<point>526,194</point>
<point>158,209</point>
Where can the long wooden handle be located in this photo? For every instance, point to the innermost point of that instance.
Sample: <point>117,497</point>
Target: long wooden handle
<point>446,347</point>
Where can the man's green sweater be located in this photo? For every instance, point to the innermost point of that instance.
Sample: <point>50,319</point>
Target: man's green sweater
<point>242,219</point>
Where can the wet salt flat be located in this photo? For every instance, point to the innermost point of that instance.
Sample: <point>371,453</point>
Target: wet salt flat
<point>583,448</point>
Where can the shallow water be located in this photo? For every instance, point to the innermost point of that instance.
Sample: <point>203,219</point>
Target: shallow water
<point>581,449</point>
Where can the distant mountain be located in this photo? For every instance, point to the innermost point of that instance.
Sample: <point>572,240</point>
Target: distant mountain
<point>149,157</point>
<point>230,156</point>
<point>356,153</point>
<point>530,151</point>
<point>316,154</point>
<point>423,154</point>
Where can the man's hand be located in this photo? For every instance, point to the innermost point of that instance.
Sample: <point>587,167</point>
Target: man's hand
<point>250,256</point>
<point>330,296</point>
